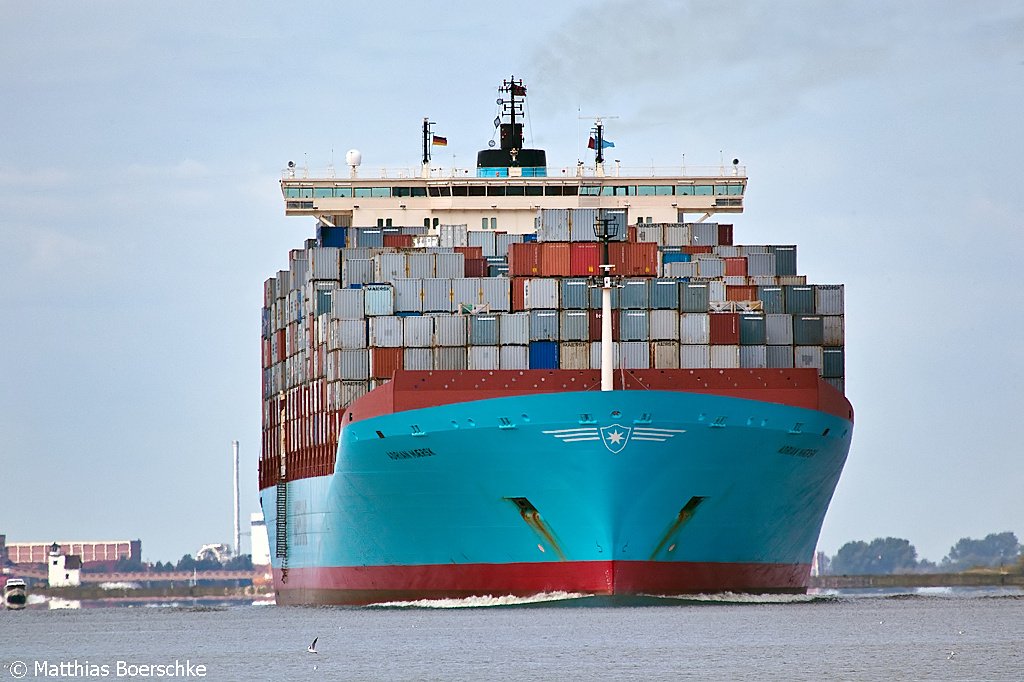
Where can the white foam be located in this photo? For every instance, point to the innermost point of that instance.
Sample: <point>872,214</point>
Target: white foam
<point>743,598</point>
<point>484,601</point>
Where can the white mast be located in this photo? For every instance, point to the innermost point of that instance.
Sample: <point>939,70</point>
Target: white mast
<point>238,549</point>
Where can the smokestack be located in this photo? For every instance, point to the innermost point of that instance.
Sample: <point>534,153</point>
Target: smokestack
<point>238,550</point>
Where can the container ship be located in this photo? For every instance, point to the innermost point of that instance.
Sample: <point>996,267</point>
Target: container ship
<point>521,379</point>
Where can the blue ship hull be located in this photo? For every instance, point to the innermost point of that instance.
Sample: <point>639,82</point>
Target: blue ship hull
<point>618,493</point>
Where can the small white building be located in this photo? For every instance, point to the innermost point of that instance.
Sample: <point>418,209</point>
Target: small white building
<point>63,570</point>
<point>259,540</point>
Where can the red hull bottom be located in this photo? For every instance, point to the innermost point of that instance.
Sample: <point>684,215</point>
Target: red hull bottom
<point>376,584</point>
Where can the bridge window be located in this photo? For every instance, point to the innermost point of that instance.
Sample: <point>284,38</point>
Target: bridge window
<point>440,191</point>
<point>534,190</point>
<point>590,191</point>
<point>343,192</point>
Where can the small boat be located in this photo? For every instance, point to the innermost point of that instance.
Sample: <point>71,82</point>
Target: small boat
<point>15,593</point>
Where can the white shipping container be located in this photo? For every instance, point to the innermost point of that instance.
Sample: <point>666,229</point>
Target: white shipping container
<point>595,354</point>
<point>418,331</point>
<point>514,357</point>
<point>426,240</point>
<point>453,235</point>
<point>676,234</point>
<point>483,357</point>
<point>514,328</point>
<point>651,233</point>
<point>541,293</point>
<point>421,265</point>
<point>828,299</point>
<point>386,332</point>
<point>450,330</point>
<point>665,355</point>
<point>808,356</point>
<point>324,262</point>
<point>353,365</point>
<point>496,293</point>
<point>833,330</point>
<point>357,271</point>
<point>574,325</point>
<point>418,358</point>
<point>352,391</point>
<point>716,291</point>
<point>348,334</point>
<point>725,357</point>
<point>664,325</point>
<point>695,328</point>
<point>680,269</point>
<point>450,265</point>
<point>574,355</point>
<point>466,293</point>
<point>437,295</point>
<point>390,266</point>
<point>635,354</point>
<point>408,295</point>
<point>448,358</point>
<point>347,304</point>
<point>379,299</point>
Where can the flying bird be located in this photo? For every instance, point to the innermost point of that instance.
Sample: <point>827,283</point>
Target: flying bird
<point>951,655</point>
<point>312,647</point>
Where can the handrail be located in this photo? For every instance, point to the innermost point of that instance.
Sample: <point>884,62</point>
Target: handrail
<point>553,173</point>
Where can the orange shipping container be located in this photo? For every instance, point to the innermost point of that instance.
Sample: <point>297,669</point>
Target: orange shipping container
<point>634,259</point>
<point>737,292</point>
<point>384,362</point>
<point>725,328</point>
<point>736,266</point>
<point>524,259</point>
<point>555,259</point>
<point>584,259</point>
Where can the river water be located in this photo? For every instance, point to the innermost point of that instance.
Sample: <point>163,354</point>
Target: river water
<point>937,635</point>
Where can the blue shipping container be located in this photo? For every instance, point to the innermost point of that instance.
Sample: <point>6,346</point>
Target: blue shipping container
<point>543,355</point>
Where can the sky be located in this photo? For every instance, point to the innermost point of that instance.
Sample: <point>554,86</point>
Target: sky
<point>141,146</point>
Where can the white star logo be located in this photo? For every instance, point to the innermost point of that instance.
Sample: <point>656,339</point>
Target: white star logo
<point>615,437</point>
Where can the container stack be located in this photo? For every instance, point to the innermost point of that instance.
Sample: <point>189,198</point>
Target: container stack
<point>358,304</point>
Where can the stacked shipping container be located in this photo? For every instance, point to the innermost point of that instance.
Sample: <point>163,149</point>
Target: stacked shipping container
<point>342,319</point>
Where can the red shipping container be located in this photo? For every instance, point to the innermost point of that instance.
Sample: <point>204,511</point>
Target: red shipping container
<point>476,267</point>
<point>724,235</point>
<point>384,362</point>
<point>554,259</point>
<point>634,259</point>
<point>736,266</point>
<point>738,292</point>
<point>698,249</point>
<point>519,294</point>
<point>595,325</point>
<point>585,259</point>
<point>398,240</point>
<point>631,233</point>
<point>470,252</point>
<point>524,259</point>
<point>725,328</point>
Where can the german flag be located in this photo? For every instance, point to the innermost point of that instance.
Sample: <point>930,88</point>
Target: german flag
<point>439,141</point>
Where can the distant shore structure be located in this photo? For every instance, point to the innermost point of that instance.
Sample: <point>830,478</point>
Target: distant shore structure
<point>93,553</point>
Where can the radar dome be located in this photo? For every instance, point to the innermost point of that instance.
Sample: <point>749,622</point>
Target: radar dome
<point>353,157</point>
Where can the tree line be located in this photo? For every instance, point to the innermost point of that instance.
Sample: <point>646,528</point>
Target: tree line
<point>243,562</point>
<point>896,555</point>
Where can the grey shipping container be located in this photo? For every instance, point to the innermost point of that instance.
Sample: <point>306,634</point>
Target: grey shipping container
<point>664,294</point>
<point>514,328</point>
<point>543,325</point>
<point>349,334</point>
<point>353,364</point>
<point>780,357</point>
<point>634,325</point>
<point>347,304</point>
<point>324,263</point>
<point>680,269</point>
<point>760,264</point>
<point>785,259</point>
<point>388,266</point>
<point>595,298</point>
<point>635,294</point>
<point>485,240</point>
<point>677,234</point>
<point>710,266</point>
<point>832,363</point>
<point>357,271</point>
<point>799,300</point>
<point>451,265</point>
<point>574,326</point>
<point>808,330</point>
<point>772,299</point>
<point>483,330</point>
<point>694,297</point>
<point>704,234</point>
<point>753,356</point>
<point>574,293</point>
<point>752,331</point>
<point>466,293</point>
<point>778,329</point>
